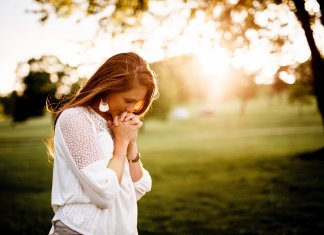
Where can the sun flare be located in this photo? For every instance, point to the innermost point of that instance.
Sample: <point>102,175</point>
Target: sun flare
<point>214,63</point>
<point>215,66</point>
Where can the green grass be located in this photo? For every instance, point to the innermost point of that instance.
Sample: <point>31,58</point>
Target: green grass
<point>222,174</point>
<point>25,178</point>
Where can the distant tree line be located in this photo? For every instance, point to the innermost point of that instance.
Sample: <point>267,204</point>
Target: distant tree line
<point>40,79</point>
<point>232,20</point>
<point>48,79</point>
<point>180,80</point>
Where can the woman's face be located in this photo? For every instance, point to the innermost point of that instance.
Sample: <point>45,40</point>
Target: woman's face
<point>126,101</point>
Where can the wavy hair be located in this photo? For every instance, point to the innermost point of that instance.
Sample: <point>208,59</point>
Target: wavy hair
<point>117,74</point>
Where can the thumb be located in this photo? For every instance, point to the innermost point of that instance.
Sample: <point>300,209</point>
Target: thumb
<point>115,120</point>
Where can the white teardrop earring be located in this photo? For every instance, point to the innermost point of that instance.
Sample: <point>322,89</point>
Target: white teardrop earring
<point>103,106</point>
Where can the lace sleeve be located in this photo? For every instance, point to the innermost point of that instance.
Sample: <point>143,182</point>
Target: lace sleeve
<point>79,137</point>
<point>75,128</point>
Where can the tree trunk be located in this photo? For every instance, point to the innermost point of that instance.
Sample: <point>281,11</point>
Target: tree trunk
<point>316,61</point>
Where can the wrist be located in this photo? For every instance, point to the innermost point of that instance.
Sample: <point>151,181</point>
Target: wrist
<point>121,143</point>
<point>136,159</point>
<point>132,151</point>
<point>132,143</point>
<point>120,149</point>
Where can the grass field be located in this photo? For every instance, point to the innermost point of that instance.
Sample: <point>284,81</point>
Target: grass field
<point>220,174</point>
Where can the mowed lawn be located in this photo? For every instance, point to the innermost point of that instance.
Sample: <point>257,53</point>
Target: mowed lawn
<point>219,174</point>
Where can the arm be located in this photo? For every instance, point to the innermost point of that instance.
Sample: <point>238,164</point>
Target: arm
<point>135,168</point>
<point>124,132</point>
<point>75,142</point>
<point>118,160</point>
<point>141,178</point>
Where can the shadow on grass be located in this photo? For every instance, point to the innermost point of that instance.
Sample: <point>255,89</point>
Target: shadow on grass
<point>282,195</point>
<point>301,181</point>
<point>313,155</point>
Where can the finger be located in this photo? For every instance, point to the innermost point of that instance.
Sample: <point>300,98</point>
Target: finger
<point>109,123</point>
<point>135,121</point>
<point>129,116</point>
<point>139,124</point>
<point>116,120</point>
<point>123,116</point>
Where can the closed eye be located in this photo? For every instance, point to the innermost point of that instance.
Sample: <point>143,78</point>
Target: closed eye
<point>129,101</point>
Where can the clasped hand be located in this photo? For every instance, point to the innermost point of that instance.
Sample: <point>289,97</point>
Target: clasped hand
<point>125,127</point>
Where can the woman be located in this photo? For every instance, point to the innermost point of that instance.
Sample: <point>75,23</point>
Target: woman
<point>97,175</point>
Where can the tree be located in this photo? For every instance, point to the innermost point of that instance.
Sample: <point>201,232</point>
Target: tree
<point>233,32</point>
<point>8,103</point>
<point>38,88</point>
<point>317,62</point>
<point>238,22</point>
<point>301,92</point>
<point>40,79</point>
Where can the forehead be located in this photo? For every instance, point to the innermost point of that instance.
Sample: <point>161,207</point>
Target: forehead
<point>137,92</point>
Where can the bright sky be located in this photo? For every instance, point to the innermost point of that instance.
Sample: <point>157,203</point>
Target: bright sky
<point>23,37</point>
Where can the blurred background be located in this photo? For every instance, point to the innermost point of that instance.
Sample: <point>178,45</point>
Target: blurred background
<point>234,143</point>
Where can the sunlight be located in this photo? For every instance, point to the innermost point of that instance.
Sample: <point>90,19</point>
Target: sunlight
<point>312,6</point>
<point>6,85</point>
<point>214,63</point>
<point>287,78</point>
<point>215,66</point>
<point>179,33</point>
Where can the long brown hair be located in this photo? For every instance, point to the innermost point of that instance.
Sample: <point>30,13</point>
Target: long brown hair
<point>117,74</point>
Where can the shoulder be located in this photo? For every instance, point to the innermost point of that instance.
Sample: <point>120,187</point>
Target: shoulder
<point>77,114</point>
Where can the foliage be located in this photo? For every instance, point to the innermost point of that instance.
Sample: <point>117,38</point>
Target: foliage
<point>302,90</point>
<point>301,93</point>
<point>240,24</point>
<point>40,79</point>
<point>8,103</point>
<point>317,63</point>
<point>91,7</point>
<point>38,87</point>
<point>118,15</point>
<point>234,21</point>
<point>278,85</point>
<point>59,79</point>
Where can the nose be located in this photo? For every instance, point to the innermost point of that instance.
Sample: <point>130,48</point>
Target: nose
<point>130,108</point>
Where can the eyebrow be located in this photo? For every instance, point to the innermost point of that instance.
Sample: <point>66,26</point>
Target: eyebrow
<point>132,99</point>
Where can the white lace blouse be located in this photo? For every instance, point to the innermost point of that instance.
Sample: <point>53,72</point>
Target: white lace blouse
<point>86,195</point>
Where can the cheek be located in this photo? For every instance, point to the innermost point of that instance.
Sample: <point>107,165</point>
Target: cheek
<point>117,105</point>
